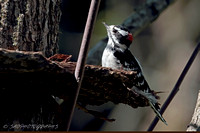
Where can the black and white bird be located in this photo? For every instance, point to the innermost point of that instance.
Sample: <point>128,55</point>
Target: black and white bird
<point>117,55</point>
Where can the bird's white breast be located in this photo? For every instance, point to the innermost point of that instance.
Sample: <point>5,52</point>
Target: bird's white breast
<point>109,60</point>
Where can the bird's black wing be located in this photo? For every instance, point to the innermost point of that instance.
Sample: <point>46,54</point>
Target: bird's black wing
<point>130,63</point>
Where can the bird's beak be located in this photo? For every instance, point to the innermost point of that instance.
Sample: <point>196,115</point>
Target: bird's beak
<point>107,26</point>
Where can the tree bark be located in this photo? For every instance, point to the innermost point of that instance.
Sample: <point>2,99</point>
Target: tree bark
<point>195,122</point>
<point>30,25</point>
<point>41,78</point>
<point>100,84</point>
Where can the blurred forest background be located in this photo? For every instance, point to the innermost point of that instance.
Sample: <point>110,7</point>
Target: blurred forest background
<point>163,49</point>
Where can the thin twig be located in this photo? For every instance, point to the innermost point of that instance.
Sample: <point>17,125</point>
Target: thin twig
<point>80,66</point>
<point>176,87</point>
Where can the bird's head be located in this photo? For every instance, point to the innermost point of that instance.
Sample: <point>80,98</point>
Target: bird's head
<point>119,36</point>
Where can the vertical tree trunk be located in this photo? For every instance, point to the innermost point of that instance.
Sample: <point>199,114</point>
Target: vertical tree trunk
<point>30,25</point>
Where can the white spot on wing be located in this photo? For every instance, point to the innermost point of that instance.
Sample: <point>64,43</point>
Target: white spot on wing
<point>142,82</point>
<point>139,75</point>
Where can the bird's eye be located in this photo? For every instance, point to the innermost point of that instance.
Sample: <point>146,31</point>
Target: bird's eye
<point>114,30</point>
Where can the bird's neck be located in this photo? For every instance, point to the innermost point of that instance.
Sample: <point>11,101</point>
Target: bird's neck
<point>116,46</point>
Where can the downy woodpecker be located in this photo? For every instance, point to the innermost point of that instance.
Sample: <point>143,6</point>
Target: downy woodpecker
<point>117,55</point>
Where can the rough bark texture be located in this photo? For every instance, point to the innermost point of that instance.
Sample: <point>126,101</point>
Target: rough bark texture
<point>141,18</point>
<point>28,82</point>
<point>97,88</point>
<point>195,122</point>
<point>31,102</point>
<point>30,25</point>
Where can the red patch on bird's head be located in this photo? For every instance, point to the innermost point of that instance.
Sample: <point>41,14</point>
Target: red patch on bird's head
<point>130,37</point>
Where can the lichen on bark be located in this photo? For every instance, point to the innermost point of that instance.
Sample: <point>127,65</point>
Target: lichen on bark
<point>30,25</point>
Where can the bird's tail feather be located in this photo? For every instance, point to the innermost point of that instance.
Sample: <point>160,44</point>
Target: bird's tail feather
<point>153,106</point>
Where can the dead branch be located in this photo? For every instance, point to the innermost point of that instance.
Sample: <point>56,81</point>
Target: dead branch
<point>195,122</point>
<point>100,84</point>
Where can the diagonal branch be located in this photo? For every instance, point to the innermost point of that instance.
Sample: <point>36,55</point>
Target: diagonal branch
<point>176,87</point>
<point>80,66</point>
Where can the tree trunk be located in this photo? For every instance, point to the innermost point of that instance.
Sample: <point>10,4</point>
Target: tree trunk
<point>30,25</point>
